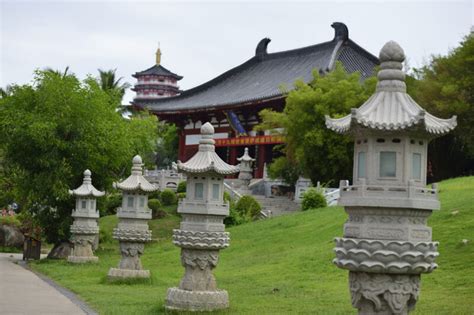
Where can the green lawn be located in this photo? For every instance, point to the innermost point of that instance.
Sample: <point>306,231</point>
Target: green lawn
<point>281,265</point>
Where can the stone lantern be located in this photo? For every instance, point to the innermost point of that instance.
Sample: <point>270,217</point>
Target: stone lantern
<point>245,166</point>
<point>84,229</point>
<point>387,244</point>
<point>201,234</point>
<point>132,230</point>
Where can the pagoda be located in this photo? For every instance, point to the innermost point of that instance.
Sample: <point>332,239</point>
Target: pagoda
<point>387,244</point>
<point>156,82</point>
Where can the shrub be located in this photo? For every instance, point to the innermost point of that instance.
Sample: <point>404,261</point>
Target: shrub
<point>10,220</point>
<point>154,195</point>
<point>181,195</point>
<point>234,217</point>
<point>112,202</point>
<point>181,187</point>
<point>168,197</point>
<point>247,207</point>
<point>155,206</point>
<point>313,198</point>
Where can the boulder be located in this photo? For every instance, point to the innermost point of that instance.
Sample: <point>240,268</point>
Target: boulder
<point>11,236</point>
<point>60,251</point>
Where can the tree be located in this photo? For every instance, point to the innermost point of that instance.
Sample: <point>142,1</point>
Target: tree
<point>167,146</point>
<point>310,147</point>
<point>54,129</point>
<point>445,87</point>
<point>110,84</point>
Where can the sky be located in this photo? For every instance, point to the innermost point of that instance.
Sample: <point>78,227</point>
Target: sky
<point>202,39</point>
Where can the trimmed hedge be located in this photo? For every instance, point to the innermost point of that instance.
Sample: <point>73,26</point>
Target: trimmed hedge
<point>168,197</point>
<point>312,199</point>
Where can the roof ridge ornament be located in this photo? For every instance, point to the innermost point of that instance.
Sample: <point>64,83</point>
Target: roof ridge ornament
<point>341,32</point>
<point>261,50</point>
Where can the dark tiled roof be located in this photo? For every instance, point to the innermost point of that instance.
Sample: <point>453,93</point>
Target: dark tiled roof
<point>261,77</point>
<point>158,70</point>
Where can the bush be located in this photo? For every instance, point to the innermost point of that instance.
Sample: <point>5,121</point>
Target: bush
<point>313,198</point>
<point>181,187</point>
<point>234,217</point>
<point>181,195</point>
<point>168,197</point>
<point>247,207</point>
<point>155,206</point>
<point>112,202</point>
<point>154,195</point>
<point>10,220</point>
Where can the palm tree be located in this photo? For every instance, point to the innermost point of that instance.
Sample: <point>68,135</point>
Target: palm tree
<point>58,72</point>
<point>108,82</point>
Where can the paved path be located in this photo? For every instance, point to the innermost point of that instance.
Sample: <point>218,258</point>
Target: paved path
<point>23,292</point>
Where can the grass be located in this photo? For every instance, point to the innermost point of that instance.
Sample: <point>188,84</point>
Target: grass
<point>281,265</point>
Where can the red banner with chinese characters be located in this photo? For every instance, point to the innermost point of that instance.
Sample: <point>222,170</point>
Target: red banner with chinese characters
<point>232,142</point>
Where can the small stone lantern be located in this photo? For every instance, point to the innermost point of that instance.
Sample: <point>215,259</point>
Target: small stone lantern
<point>387,244</point>
<point>245,166</point>
<point>201,234</point>
<point>132,230</point>
<point>84,229</point>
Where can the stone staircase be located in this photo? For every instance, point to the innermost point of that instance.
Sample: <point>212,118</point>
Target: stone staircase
<point>275,206</point>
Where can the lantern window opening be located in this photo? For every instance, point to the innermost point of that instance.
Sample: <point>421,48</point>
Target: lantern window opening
<point>388,164</point>
<point>396,140</point>
<point>84,204</point>
<point>412,141</point>
<point>416,166</point>
<point>365,140</point>
<point>421,142</point>
<point>130,202</point>
<point>215,191</point>
<point>199,191</point>
<point>380,140</point>
<point>142,202</point>
<point>361,164</point>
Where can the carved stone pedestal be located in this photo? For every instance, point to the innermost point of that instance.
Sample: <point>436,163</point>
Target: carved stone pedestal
<point>383,294</point>
<point>132,245</point>
<point>83,239</point>
<point>198,289</point>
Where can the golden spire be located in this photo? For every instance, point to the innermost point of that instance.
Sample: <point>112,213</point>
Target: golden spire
<point>158,55</point>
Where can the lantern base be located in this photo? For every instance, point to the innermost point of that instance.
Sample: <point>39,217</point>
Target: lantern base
<point>117,274</point>
<point>184,300</point>
<point>82,259</point>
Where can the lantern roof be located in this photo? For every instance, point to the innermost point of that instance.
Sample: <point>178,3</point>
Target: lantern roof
<point>390,107</point>
<point>246,157</point>
<point>86,189</point>
<point>136,180</point>
<point>206,159</point>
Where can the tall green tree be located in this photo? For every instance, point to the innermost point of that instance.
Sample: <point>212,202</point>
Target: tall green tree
<point>54,129</point>
<point>310,147</point>
<point>445,87</point>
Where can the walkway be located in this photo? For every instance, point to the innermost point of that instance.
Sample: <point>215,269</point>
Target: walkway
<point>23,292</point>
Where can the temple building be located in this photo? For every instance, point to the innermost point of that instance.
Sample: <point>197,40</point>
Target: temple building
<point>232,100</point>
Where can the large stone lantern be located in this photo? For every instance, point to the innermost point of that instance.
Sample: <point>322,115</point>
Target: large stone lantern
<point>201,234</point>
<point>132,230</point>
<point>387,243</point>
<point>84,228</point>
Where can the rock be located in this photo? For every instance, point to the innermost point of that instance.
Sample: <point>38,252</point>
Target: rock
<point>60,251</point>
<point>11,236</point>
